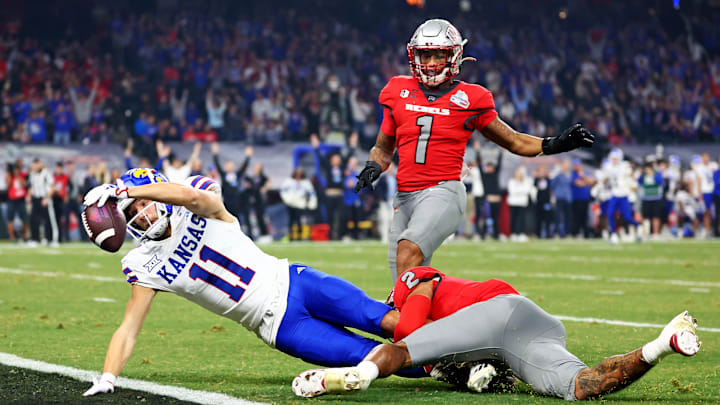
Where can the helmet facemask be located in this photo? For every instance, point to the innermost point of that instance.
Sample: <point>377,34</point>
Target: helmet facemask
<point>433,75</point>
<point>156,228</point>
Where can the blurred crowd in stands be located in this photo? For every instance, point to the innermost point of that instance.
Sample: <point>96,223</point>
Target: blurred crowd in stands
<point>148,75</point>
<point>668,199</point>
<point>267,72</point>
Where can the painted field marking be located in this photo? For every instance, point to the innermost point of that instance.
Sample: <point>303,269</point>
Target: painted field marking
<point>592,277</point>
<point>185,394</point>
<point>610,292</point>
<point>512,274</point>
<point>700,290</point>
<point>622,323</point>
<point>56,274</point>
<point>103,299</point>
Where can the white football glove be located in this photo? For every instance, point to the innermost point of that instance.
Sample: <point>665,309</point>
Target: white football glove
<point>101,193</point>
<point>103,385</point>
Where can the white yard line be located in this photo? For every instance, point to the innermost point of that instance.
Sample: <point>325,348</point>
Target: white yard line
<point>623,323</point>
<point>592,277</point>
<point>56,274</point>
<point>185,394</point>
<point>497,273</point>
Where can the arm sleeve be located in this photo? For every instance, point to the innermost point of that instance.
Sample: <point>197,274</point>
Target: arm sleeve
<point>485,112</point>
<point>216,161</point>
<point>414,313</point>
<point>242,169</point>
<point>388,122</point>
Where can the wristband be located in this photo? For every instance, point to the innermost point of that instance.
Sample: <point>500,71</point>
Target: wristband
<point>109,377</point>
<point>548,146</point>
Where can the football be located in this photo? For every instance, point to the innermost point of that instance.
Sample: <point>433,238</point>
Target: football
<point>105,225</point>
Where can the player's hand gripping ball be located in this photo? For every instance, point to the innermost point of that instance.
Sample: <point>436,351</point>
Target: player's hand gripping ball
<point>105,225</point>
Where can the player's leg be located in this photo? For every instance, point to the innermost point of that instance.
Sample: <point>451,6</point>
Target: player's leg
<point>11,214</point>
<point>617,372</point>
<point>533,346</point>
<point>477,333</point>
<point>438,212</point>
<point>611,211</point>
<point>403,203</point>
<point>626,210</point>
<point>335,300</point>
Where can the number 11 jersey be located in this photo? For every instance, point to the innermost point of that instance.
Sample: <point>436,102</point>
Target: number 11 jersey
<point>432,128</point>
<point>214,264</point>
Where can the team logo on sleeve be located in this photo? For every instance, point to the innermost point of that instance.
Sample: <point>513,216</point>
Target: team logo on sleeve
<point>404,93</point>
<point>460,99</point>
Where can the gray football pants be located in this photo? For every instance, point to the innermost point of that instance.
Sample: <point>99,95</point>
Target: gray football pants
<point>426,218</point>
<point>510,328</point>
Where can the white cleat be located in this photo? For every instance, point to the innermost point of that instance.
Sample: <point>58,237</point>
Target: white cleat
<point>614,239</point>
<point>681,333</point>
<point>316,382</point>
<point>480,377</point>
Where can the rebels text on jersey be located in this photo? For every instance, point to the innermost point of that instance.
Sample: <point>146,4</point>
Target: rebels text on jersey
<point>215,265</point>
<point>431,136</point>
<point>450,293</point>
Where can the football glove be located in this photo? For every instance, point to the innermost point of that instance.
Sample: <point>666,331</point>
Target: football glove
<point>368,175</point>
<point>101,193</point>
<point>103,385</point>
<point>573,137</point>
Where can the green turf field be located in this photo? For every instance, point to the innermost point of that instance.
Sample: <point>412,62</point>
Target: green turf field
<point>50,311</point>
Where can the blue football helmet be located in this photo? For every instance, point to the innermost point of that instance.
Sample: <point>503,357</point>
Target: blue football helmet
<point>141,177</point>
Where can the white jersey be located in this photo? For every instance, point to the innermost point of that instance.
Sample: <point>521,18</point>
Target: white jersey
<point>672,179</point>
<point>686,204</point>
<point>619,176</point>
<point>601,190</point>
<point>212,263</point>
<point>690,177</point>
<point>705,173</point>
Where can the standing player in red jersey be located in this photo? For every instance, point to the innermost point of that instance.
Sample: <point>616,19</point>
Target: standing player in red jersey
<point>429,118</point>
<point>477,321</point>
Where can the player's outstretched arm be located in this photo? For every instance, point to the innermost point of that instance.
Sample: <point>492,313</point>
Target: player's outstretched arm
<point>521,144</point>
<point>123,341</point>
<point>200,202</point>
<point>378,161</point>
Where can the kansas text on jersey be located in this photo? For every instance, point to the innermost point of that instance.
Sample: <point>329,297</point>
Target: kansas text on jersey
<point>212,263</point>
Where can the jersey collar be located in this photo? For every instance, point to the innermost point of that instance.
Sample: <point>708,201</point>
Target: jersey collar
<point>432,95</point>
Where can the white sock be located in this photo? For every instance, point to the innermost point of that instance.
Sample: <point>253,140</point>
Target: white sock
<point>657,349</point>
<point>368,371</point>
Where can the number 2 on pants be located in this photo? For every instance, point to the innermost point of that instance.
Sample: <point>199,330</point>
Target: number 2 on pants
<point>235,292</point>
<point>425,124</point>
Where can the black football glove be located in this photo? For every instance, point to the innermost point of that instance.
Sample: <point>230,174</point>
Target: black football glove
<point>368,175</point>
<point>574,137</point>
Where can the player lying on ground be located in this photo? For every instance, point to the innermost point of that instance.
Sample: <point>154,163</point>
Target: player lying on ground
<point>429,118</point>
<point>490,320</point>
<point>191,246</point>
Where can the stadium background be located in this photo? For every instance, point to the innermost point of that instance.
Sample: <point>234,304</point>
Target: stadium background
<point>643,76</point>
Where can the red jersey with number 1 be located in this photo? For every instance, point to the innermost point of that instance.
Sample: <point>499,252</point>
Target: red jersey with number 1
<point>451,294</point>
<point>431,136</point>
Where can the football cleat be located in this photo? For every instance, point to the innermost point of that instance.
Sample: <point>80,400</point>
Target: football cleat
<point>316,382</point>
<point>681,333</point>
<point>480,377</point>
